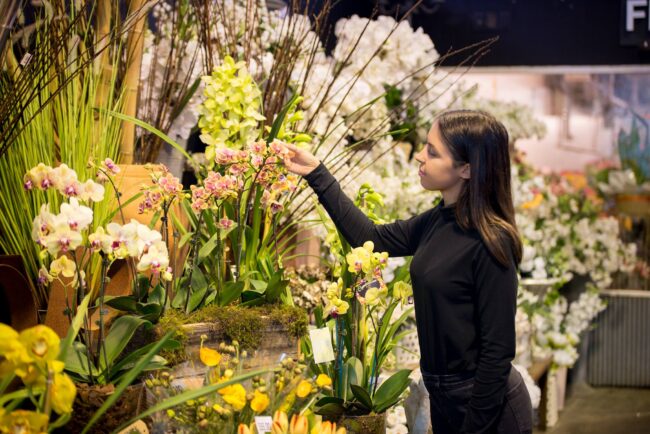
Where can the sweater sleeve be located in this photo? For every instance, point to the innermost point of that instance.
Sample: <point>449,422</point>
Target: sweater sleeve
<point>496,304</point>
<point>398,239</point>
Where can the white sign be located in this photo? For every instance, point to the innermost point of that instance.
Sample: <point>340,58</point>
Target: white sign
<point>263,424</point>
<point>321,344</point>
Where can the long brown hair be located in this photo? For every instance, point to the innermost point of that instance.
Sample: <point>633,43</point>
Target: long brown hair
<point>485,201</point>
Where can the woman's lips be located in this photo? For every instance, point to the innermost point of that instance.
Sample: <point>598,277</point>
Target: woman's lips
<point>420,172</point>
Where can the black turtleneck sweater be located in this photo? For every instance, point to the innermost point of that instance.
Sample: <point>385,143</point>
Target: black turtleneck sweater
<point>465,300</point>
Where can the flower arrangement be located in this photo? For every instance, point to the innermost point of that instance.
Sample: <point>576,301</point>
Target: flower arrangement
<point>558,325</point>
<point>564,230</point>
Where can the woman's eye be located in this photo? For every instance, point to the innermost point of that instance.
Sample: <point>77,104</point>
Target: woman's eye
<point>431,152</point>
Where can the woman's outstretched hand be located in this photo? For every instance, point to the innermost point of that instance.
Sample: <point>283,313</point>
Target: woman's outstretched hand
<point>300,161</point>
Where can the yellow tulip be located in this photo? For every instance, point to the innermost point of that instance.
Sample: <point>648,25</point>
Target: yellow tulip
<point>260,402</point>
<point>41,342</point>
<point>298,425</point>
<point>62,393</point>
<point>323,380</point>
<point>23,421</point>
<point>303,389</point>
<point>280,423</point>
<point>209,357</point>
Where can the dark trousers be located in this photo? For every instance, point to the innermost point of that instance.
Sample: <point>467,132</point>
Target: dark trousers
<point>449,396</point>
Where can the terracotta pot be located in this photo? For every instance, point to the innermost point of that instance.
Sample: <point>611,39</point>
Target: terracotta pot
<point>367,424</point>
<point>90,398</point>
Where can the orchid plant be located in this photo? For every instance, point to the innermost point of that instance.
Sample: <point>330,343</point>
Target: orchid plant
<point>236,246</point>
<point>69,243</point>
<point>359,312</point>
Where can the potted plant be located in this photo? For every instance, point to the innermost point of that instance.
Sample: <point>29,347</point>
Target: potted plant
<point>359,316</point>
<point>70,242</point>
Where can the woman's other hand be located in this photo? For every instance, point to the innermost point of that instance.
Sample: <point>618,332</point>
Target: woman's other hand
<point>300,161</point>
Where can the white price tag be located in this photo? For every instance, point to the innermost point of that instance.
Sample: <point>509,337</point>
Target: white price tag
<point>263,424</point>
<point>321,343</point>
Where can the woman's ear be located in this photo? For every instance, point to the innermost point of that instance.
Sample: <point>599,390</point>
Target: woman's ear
<point>465,171</point>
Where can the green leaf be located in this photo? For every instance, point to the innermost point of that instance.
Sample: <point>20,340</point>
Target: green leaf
<point>332,409</point>
<point>353,368</point>
<point>157,295</point>
<point>230,292</point>
<point>151,129</point>
<point>276,286</point>
<point>279,119</point>
<point>208,247</point>
<point>150,311</point>
<point>141,288</point>
<point>190,395</point>
<point>185,238</point>
<point>78,319</point>
<point>362,396</point>
<point>76,361</point>
<point>118,337</point>
<point>126,381</point>
<point>125,303</point>
<point>199,289</point>
<point>133,358</point>
<point>390,390</point>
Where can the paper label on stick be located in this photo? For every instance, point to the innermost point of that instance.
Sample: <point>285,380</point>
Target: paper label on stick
<point>263,424</point>
<point>321,343</point>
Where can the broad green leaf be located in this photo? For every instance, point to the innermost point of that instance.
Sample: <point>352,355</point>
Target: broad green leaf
<point>125,303</point>
<point>118,337</point>
<point>390,390</point>
<point>185,238</point>
<point>230,292</point>
<point>362,396</point>
<point>136,355</point>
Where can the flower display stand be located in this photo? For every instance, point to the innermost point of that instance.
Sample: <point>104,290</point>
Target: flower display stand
<point>275,343</point>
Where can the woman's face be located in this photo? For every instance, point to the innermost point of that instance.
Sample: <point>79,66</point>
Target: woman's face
<point>437,171</point>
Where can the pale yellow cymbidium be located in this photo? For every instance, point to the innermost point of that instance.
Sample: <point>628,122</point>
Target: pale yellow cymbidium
<point>24,422</point>
<point>230,113</point>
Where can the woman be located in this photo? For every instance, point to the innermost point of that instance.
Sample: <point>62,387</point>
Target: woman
<point>464,270</point>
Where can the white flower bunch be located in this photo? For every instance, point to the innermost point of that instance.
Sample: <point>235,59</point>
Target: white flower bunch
<point>396,420</point>
<point>60,235</point>
<point>558,325</point>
